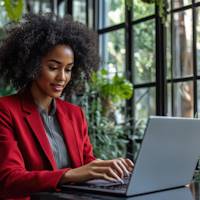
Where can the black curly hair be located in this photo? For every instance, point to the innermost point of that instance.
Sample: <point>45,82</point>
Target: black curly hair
<point>32,38</point>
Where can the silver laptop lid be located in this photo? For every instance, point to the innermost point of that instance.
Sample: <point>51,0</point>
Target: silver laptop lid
<point>183,193</point>
<point>168,155</point>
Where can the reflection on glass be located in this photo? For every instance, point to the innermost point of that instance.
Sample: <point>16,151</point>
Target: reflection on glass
<point>3,19</point>
<point>142,9</point>
<point>145,102</point>
<point>182,44</point>
<point>183,99</point>
<point>168,2</point>
<point>168,49</point>
<point>79,10</point>
<point>169,99</point>
<point>112,51</point>
<point>180,3</point>
<point>198,39</point>
<point>61,8</point>
<point>144,52</point>
<point>37,6</point>
<point>112,12</point>
<point>198,98</point>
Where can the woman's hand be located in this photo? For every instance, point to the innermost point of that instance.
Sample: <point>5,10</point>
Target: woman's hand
<point>111,170</point>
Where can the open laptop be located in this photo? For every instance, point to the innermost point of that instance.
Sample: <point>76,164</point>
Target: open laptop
<point>167,159</point>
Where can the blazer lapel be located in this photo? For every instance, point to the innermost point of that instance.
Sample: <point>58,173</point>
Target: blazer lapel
<point>69,135</point>
<point>34,121</point>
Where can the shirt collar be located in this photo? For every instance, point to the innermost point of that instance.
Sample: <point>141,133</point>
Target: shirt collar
<point>52,108</point>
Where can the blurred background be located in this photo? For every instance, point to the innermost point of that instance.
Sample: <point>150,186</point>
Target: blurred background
<point>149,64</point>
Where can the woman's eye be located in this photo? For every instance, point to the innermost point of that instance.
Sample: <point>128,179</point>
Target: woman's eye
<point>68,70</point>
<point>52,67</point>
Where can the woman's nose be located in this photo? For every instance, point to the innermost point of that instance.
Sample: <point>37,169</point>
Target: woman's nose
<point>61,75</point>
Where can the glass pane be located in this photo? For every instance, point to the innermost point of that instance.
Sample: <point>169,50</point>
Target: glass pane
<point>112,51</point>
<point>145,103</point>
<point>169,99</point>
<point>182,44</point>
<point>37,6</point>
<point>198,99</point>
<point>144,52</point>
<point>142,9</point>
<point>180,3</point>
<point>168,5</point>
<point>3,16</point>
<point>61,8</point>
<point>183,99</point>
<point>198,39</point>
<point>79,11</point>
<point>111,12</point>
<point>168,50</point>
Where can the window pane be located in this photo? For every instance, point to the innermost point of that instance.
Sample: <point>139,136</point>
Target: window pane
<point>183,99</point>
<point>198,99</point>
<point>182,44</point>
<point>181,3</point>
<point>145,102</point>
<point>112,51</point>
<point>3,15</point>
<point>141,9</point>
<point>168,50</point>
<point>112,12</point>
<point>169,99</point>
<point>44,6</point>
<point>198,39</point>
<point>79,10</point>
<point>144,52</point>
<point>61,8</point>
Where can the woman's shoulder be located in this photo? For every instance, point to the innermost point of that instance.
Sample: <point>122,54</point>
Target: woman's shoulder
<point>10,99</point>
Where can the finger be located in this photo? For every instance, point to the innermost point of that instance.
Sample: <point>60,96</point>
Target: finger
<point>128,163</point>
<point>123,166</point>
<point>114,164</point>
<point>109,171</point>
<point>104,176</point>
<point>131,164</point>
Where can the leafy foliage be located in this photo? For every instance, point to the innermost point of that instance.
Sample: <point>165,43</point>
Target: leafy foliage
<point>14,9</point>
<point>113,89</point>
<point>102,93</point>
<point>7,90</point>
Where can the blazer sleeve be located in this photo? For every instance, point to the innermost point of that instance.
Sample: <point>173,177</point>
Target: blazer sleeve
<point>15,180</point>
<point>88,148</point>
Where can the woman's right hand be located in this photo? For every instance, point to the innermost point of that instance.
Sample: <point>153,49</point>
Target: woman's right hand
<point>111,170</point>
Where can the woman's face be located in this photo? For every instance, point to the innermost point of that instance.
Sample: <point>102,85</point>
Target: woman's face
<point>55,72</point>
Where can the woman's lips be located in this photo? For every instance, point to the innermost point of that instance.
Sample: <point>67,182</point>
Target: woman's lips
<point>57,88</point>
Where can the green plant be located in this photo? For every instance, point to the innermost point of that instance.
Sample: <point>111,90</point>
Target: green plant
<point>110,90</point>
<point>161,7</point>
<point>7,90</point>
<point>99,100</point>
<point>14,9</point>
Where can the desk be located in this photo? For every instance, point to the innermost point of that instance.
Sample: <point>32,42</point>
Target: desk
<point>186,193</point>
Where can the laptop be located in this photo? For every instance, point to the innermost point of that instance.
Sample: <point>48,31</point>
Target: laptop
<point>167,159</point>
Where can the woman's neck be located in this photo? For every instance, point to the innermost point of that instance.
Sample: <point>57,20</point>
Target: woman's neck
<point>40,99</point>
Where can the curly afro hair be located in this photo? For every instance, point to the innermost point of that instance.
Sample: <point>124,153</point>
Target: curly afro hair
<point>27,42</point>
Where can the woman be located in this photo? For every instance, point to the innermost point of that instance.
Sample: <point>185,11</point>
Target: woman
<point>43,140</point>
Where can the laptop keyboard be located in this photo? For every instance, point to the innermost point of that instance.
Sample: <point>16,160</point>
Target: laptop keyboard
<point>111,185</point>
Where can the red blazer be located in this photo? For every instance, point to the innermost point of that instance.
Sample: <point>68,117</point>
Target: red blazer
<point>26,161</point>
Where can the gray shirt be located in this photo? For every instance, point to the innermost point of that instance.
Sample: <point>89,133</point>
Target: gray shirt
<point>55,136</point>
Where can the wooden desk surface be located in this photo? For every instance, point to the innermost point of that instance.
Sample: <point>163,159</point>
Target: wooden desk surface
<point>186,193</point>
